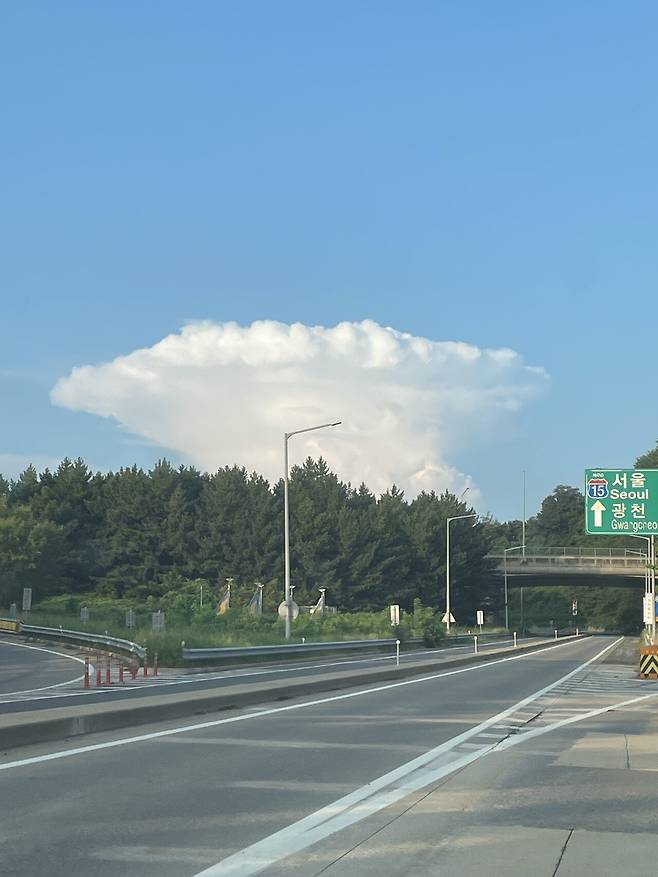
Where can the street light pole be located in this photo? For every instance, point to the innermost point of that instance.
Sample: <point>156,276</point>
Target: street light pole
<point>505,550</point>
<point>286,520</point>
<point>650,579</point>
<point>448,522</point>
<point>523,534</point>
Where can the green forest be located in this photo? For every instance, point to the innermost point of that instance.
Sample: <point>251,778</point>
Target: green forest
<point>142,534</point>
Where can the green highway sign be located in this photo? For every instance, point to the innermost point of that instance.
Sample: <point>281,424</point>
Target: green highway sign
<point>619,501</point>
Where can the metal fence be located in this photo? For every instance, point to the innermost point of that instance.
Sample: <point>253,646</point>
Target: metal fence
<point>216,654</point>
<point>83,638</point>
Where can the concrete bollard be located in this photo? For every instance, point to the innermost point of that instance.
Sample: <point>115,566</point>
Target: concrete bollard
<point>514,639</point>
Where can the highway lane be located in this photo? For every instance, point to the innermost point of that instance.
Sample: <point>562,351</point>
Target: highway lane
<point>176,803</point>
<point>24,667</point>
<point>175,682</point>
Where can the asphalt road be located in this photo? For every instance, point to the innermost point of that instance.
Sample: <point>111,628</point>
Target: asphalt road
<point>169,682</point>
<point>175,804</point>
<point>24,667</point>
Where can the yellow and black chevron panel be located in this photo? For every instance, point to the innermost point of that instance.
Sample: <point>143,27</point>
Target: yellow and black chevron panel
<point>649,665</point>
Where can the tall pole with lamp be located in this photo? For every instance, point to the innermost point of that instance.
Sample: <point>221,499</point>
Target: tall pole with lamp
<point>505,550</point>
<point>286,519</point>
<point>448,522</point>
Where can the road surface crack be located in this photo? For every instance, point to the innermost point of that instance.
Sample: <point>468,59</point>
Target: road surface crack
<point>628,757</point>
<point>562,851</point>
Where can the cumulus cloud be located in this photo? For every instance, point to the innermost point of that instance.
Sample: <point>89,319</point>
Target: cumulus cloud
<point>220,393</point>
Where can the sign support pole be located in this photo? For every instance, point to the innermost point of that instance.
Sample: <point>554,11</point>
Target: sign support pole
<point>653,590</point>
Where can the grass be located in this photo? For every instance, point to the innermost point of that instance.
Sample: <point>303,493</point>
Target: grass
<point>202,628</point>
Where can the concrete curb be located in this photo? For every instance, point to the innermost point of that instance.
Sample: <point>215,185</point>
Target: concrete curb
<point>61,723</point>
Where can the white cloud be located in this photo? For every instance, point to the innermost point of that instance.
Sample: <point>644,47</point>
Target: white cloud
<point>220,393</point>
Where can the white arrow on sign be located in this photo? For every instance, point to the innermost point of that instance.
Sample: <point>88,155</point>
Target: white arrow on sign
<point>598,508</point>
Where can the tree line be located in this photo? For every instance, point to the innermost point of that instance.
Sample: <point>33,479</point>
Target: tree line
<point>139,533</point>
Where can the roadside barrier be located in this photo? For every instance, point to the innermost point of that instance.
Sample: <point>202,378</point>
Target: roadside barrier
<point>11,625</point>
<point>79,636</point>
<point>649,662</point>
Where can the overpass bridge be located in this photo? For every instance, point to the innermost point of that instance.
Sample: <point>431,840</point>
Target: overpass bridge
<point>545,566</point>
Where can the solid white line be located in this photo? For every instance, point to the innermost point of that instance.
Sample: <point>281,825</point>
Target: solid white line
<point>371,798</point>
<point>537,732</point>
<point>221,676</point>
<point>154,735</point>
<point>4,642</point>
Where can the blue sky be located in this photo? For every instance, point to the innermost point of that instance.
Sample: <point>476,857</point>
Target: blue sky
<point>481,172</point>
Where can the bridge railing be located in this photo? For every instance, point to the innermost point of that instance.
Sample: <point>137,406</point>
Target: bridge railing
<point>571,552</point>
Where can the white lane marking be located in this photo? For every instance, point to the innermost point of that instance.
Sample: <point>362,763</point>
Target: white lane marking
<point>155,735</point>
<point>371,798</point>
<point>221,676</point>
<point>4,642</point>
<point>544,729</point>
<point>206,677</point>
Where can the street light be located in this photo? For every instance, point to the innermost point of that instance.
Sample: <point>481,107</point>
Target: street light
<point>448,522</point>
<point>505,550</point>
<point>286,521</point>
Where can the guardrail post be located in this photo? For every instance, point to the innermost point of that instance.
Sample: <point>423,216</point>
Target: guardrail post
<point>475,644</point>
<point>99,681</point>
<point>397,652</point>
<point>514,639</point>
<point>85,683</point>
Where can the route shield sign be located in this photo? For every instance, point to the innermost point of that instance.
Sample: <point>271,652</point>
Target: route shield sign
<point>619,501</point>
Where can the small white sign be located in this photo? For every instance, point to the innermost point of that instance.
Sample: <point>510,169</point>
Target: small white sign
<point>395,614</point>
<point>648,601</point>
<point>27,599</point>
<point>480,617</point>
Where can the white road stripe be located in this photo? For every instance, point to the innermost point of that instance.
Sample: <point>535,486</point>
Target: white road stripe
<point>4,642</point>
<point>371,798</point>
<point>154,735</point>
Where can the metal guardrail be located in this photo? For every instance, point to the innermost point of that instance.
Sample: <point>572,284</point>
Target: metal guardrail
<point>568,551</point>
<point>310,648</point>
<point>79,636</point>
<point>287,649</point>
